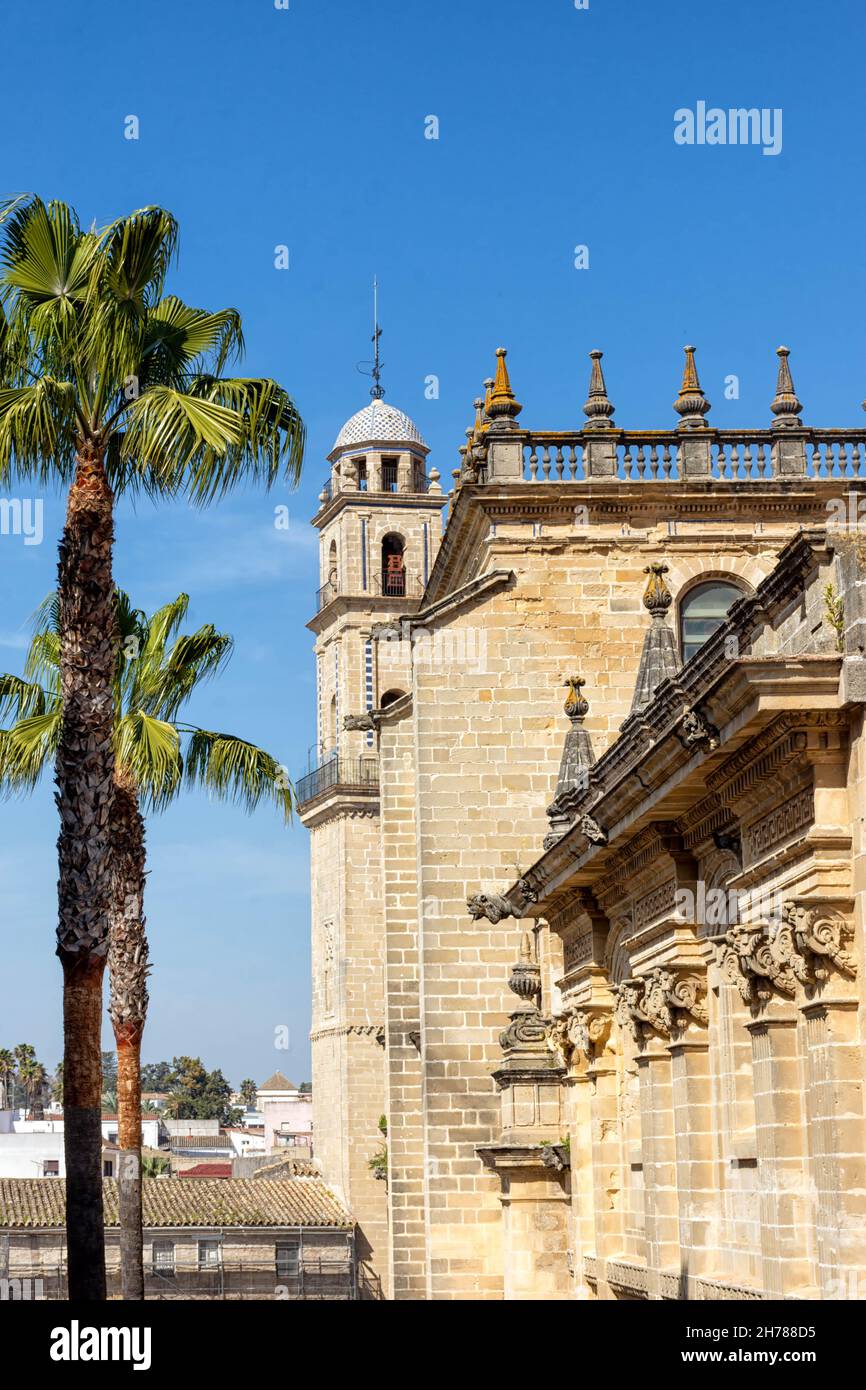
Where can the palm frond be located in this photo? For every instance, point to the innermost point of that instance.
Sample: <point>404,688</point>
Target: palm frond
<point>37,430</point>
<point>237,771</point>
<point>168,432</point>
<point>20,698</point>
<point>194,658</point>
<point>149,750</point>
<point>27,749</point>
<point>179,336</point>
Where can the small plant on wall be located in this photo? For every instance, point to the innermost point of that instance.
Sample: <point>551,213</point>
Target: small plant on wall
<point>378,1164</point>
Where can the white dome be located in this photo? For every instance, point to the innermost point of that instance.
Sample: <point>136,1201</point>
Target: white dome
<point>378,423</point>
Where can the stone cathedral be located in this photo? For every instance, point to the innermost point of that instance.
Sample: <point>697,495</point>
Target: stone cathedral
<point>587,824</point>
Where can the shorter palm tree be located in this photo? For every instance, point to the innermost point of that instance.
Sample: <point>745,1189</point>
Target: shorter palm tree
<point>248,1092</point>
<point>34,1079</point>
<point>156,755</point>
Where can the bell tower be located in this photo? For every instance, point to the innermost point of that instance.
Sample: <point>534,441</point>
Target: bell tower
<point>379,523</point>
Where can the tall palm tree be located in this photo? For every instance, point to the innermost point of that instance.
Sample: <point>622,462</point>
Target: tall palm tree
<point>7,1072</point>
<point>156,754</point>
<point>106,383</point>
<point>248,1092</point>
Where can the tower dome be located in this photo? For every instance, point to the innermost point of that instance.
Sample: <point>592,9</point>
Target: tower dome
<point>375,424</point>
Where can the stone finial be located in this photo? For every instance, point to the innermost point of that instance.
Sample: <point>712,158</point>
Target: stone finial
<point>658,660</point>
<point>786,407</point>
<point>488,392</point>
<point>576,707</point>
<point>691,404</point>
<point>598,409</point>
<point>577,759</point>
<point>657,597</point>
<point>503,407</point>
<point>435,486</point>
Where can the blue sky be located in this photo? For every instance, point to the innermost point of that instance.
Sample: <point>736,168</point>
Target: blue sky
<point>306,127</point>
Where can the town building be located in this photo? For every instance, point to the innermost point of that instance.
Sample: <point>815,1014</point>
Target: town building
<point>598,972</point>
<point>203,1238</point>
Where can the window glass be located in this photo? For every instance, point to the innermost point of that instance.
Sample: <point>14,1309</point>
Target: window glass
<point>704,610</point>
<point>288,1259</point>
<point>163,1257</point>
<point>208,1254</point>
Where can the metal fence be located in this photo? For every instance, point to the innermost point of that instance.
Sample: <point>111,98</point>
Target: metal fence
<point>313,1280</point>
<point>338,772</point>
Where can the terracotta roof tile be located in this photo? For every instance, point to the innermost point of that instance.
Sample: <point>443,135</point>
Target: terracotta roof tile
<point>38,1203</point>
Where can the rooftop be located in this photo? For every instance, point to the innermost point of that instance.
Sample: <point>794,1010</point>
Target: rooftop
<point>39,1203</point>
<point>201,1141</point>
<point>277,1082</point>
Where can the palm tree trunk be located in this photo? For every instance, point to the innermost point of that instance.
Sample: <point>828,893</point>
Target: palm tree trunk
<point>128,966</point>
<point>85,766</point>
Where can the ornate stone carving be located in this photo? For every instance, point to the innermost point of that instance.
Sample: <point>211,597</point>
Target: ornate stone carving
<point>823,933</point>
<point>496,906</point>
<point>579,1034</point>
<point>799,948</point>
<point>698,732</point>
<point>493,906</point>
<point>755,964</point>
<point>664,1002</point>
<point>354,722</point>
<point>593,831</point>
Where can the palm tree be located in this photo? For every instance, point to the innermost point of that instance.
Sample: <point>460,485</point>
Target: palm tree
<point>105,384</point>
<point>248,1093</point>
<point>34,1079</point>
<point>7,1072</point>
<point>156,754</point>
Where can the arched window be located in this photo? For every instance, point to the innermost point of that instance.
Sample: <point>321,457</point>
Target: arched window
<point>702,611</point>
<point>393,572</point>
<point>332,565</point>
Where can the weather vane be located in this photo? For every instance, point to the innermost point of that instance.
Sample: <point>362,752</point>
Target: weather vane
<point>377,390</point>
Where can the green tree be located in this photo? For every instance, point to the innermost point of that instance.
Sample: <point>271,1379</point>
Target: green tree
<point>154,1076</point>
<point>156,755</point>
<point>199,1094</point>
<point>248,1092</point>
<point>107,383</point>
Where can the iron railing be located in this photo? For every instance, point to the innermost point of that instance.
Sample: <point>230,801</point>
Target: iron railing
<point>401,584</point>
<point>347,773</point>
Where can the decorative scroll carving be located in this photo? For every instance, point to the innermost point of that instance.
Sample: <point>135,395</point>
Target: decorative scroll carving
<point>821,932</point>
<point>664,1002</point>
<point>579,1034</point>
<point>799,948</point>
<point>752,961</point>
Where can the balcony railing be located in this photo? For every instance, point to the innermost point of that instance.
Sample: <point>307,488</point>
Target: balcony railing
<point>349,774</point>
<point>400,585</point>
